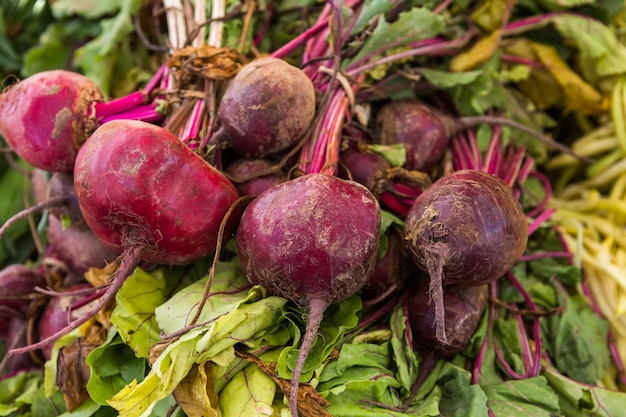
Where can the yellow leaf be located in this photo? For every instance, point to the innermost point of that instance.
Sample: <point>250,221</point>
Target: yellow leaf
<point>578,94</point>
<point>195,394</point>
<point>491,14</point>
<point>478,54</point>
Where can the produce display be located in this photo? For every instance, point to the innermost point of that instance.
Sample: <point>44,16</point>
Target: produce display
<point>312,208</point>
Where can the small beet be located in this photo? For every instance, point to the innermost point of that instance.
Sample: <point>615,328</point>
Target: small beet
<point>314,241</point>
<point>426,131</point>
<point>46,117</point>
<point>78,247</point>
<point>464,306</point>
<point>366,168</point>
<point>390,273</point>
<point>251,170</point>
<point>266,108</point>
<point>17,286</point>
<point>465,229</point>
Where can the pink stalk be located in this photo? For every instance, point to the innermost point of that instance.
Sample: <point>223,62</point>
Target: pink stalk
<point>193,124</point>
<point>145,113</point>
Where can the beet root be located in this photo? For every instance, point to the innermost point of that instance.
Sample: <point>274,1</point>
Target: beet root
<point>466,229</point>
<point>47,117</point>
<point>266,108</point>
<point>314,241</point>
<point>138,185</point>
<point>17,287</point>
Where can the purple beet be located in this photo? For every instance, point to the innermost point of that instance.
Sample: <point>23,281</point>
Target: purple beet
<point>426,132</point>
<point>17,286</point>
<point>314,241</point>
<point>249,177</point>
<point>267,108</point>
<point>465,229</point>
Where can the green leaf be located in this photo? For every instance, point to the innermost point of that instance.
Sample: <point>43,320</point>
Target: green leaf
<point>460,398</point>
<point>213,341</point>
<point>113,365</point>
<point>18,392</point>
<point>338,319</point>
<point>522,397</point>
<point>230,288</point>
<point>395,154</point>
<point>447,79</point>
<point>403,354</point>
<point>578,341</point>
<point>595,41</point>
<point>506,333</point>
<point>88,9</point>
<point>249,393</point>
<point>581,400</point>
<point>413,25</point>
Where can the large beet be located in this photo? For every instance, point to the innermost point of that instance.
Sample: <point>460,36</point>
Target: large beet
<point>138,184</point>
<point>313,240</point>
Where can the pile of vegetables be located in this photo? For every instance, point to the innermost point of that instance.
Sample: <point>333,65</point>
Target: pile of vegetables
<point>314,208</point>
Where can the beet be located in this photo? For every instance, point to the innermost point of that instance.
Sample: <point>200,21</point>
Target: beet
<point>463,308</point>
<point>267,108</point>
<point>426,132</point>
<point>465,229</point>
<point>61,184</point>
<point>47,117</point>
<point>145,194</point>
<point>16,336</point>
<point>59,312</point>
<point>255,181</point>
<point>390,273</point>
<point>139,186</point>
<point>367,168</point>
<point>17,286</point>
<point>78,247</point>
<point>314,241</point>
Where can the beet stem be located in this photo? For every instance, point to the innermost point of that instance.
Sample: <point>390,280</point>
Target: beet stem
<point>44,205</point>
<point>470,121</point>
<point>317,306</point>
<point>129,260</point>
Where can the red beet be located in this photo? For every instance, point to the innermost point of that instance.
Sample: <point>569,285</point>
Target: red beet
<point>146,194</point>
<point>367,168</point>
<point>463,308</point>
<point>314,241</point>
<point>48,116</point>
<point>78,247</point>
<point>266,108</point>
<point>139,186</point>
<point>466,229</point>
<point>390,273</point>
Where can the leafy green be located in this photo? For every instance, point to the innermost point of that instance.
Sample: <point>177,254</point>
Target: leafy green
<point>412,25</point>
<point>113,365</point>
<point>136,302</point>
<point>254,393</point>
<point>213,341</point>
<point>528,397</point>
<point>338,319</point>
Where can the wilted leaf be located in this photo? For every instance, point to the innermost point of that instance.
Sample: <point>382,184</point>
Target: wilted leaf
<point>72,370</point>
<point>254,392</point>
<point>207,61</point>
<point>491,14</point>
<point>578,95</point>
<point>478,54</point>
<point>195,394</point>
